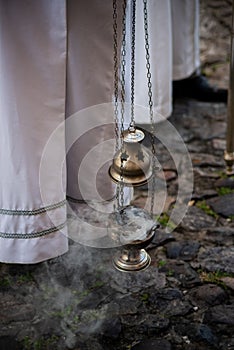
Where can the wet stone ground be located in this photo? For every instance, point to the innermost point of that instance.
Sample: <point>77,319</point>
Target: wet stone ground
<point>185,299</point>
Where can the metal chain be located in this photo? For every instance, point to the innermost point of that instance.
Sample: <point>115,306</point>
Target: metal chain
<point>119,132</point>
<point>116,75</point>
<point>123,70</point>
<point>133,34</point>
<point>122,96</point>
<point>150,105</point>
<point>116,84</point>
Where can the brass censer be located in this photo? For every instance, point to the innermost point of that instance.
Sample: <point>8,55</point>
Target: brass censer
<point>133,164</point>
<point>134,229</point>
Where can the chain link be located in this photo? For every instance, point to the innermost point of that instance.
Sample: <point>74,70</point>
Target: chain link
<point>133,33</point>
<point>123,71</point>
<point>119,131</point>
<point>152,123</point>
<point>116,75</point>
<point>122,96</point>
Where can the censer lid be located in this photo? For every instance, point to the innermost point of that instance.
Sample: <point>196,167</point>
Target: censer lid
<point>135,135</point>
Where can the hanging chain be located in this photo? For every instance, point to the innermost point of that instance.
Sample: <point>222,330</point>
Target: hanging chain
<point>116,75</point>
<point>152,133</point>
<point>119,132</point>
<point>123,71</point>
<point>116,84</point>
<point>122,96</point>
<point>133,33</point>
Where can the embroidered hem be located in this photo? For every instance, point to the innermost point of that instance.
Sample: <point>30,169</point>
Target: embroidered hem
<point>33,212</point>
<point>33,234</point>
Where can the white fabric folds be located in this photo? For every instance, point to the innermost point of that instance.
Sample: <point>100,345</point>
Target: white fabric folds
<point>56,59</point>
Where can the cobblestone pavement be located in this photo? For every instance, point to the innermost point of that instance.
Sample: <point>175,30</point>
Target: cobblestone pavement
<point>185,299</point>
<point>215,39</point>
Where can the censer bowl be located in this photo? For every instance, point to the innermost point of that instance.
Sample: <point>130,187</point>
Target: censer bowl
<point>132,255</point>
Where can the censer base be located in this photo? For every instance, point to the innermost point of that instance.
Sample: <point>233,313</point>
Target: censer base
<point>132,260</point>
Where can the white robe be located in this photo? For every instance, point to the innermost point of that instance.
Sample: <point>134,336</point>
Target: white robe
<point>56,59</point>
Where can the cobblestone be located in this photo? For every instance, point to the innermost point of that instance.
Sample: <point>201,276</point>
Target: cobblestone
<point>185,299</point>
